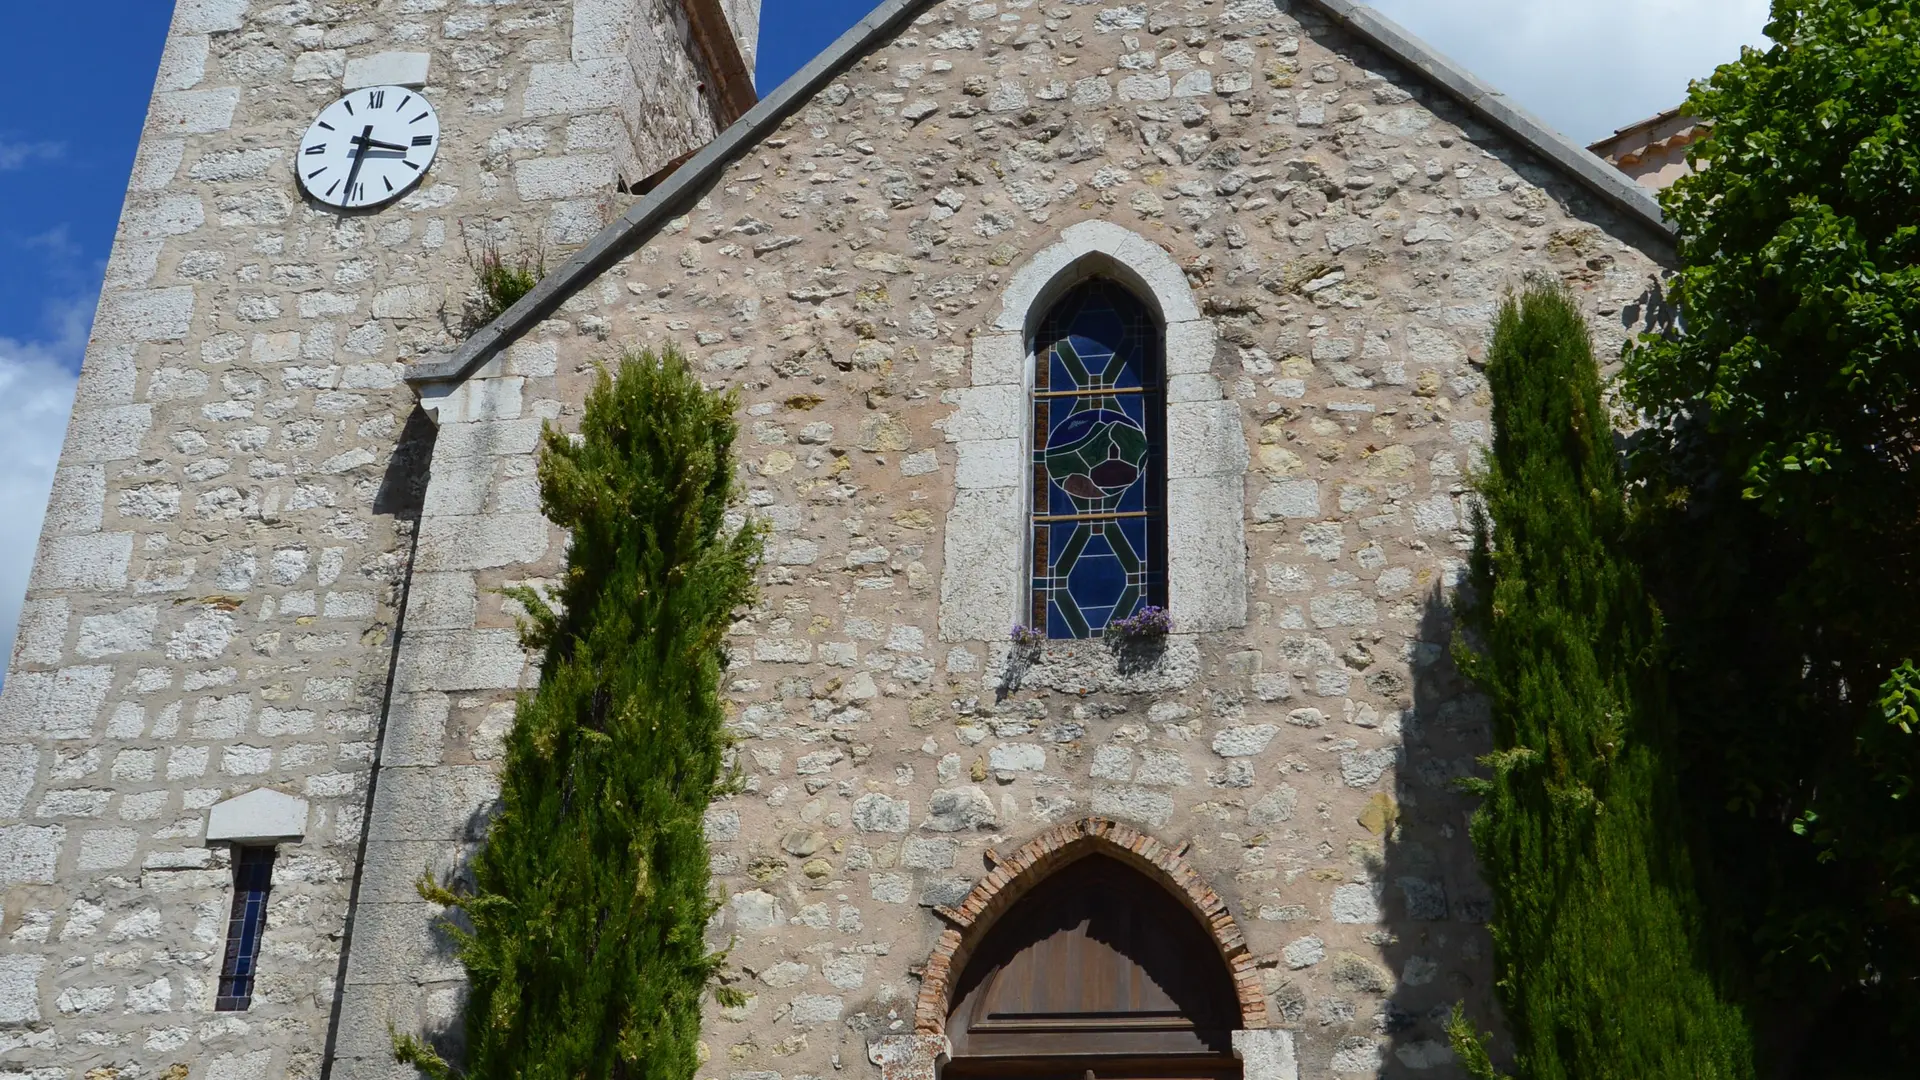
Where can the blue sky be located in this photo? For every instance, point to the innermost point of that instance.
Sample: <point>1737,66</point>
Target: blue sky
<point>69,129</point>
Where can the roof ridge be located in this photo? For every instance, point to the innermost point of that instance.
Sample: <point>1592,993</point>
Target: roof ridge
<point>612,243</point>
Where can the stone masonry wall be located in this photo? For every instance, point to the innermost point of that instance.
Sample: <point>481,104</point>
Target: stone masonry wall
<point>214,600</point>
<point>1347,231</point>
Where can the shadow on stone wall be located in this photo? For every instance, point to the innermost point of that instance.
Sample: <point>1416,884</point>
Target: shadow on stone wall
<point>1434,905</point>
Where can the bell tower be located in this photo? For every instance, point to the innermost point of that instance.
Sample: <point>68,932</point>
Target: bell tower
<point>198,695</point>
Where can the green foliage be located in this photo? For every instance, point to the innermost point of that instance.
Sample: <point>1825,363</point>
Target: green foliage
<point>1779,504</point>
<point>1470,1045</point>
<point>586,951</point>
<point>499,281</point>
<point>1596,922</point>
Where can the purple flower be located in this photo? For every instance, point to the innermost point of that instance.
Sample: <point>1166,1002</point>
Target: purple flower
<point>1147,622</point>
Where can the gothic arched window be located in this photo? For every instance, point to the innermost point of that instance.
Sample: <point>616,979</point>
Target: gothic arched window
<point>1099,462</point>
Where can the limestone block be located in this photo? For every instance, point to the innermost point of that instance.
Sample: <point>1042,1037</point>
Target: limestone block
<point>460,660</point>
<point>474,400</point>
<point>441,601</point>
<point>29,853</point>
<point>449,802</point>
<point>20,987</point>
<point>981,583</point>
<point>874,812</point>
<point>1207,569</point>
<point>1184,388</point>
<point>256,1065</point>
<point>106,849</point>
<point>1356,904</point>
<point>1191,347</point>
<point>320,65</point>
<point>398,943</point>
<point>237,165</point>
<point>262,814</point>
<point>485,438</point>
<point>365,1046</point>
<point>145,315</point>
<point>588,85</point>
<point>999,358</point>
<point>580,175</point>
<point>107,377</point>
<point>19,767</point>
<point>1205,439</point>
<point>534,359</point>
<point>405,302</point>
<point>601,28</point>
<point>183,63</point>
<point>387,69</point>
<point>109,434</point>
<point>1151,808</point>
<point>416,730</point>
<point>128,630</point>
<point>165,215</point>
<point>42,633</point>
<point>989,412</point>
<point>193,112</point>
<point>1266,1055</point>
<point>393,867</point>
<point>482,542</point>
<point>156,163</point>
<point>990,463</point>
<point>1288,499</point>
<point>55,704</point>
<point>208,16</point>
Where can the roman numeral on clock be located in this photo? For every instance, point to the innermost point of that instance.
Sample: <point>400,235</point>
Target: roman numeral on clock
<point>376,99</point>
<point>423,140</point>
<point>319,149</point>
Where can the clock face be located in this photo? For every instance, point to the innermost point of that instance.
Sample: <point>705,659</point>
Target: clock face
<point>369,147</point>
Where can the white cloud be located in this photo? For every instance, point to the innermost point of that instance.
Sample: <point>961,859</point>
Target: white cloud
<point>36,394</point>
<point>14,155</point>
<point>1587,66</point>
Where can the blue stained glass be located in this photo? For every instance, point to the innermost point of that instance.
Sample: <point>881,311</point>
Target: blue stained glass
<point>1099,526</point>
<point>252,882</point>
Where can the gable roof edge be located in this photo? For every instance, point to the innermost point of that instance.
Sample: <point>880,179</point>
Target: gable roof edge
<point>668,200</point>
<point>1498,110</point>
<point>665,202</point>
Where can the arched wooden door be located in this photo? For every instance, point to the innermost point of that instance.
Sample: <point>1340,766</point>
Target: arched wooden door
<point>1097,973</point>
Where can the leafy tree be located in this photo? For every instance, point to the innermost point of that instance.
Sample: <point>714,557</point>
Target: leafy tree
<point>1779,497</point>
<point>1596,923</point>
<point>586,953</point>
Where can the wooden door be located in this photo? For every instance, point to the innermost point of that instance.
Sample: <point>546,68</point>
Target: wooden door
<point>1099,970</point>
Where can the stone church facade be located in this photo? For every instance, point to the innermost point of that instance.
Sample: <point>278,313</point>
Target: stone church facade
<point>266,623</point>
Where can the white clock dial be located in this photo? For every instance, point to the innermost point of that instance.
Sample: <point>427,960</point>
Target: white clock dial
<point>369,147</point>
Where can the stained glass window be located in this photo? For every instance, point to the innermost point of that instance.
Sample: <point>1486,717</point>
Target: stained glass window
<point>1099,471</point>
<point>252,880</point>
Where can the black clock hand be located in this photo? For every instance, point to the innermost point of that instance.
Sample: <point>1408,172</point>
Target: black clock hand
<point>364,143</point>
<point>359,155</point>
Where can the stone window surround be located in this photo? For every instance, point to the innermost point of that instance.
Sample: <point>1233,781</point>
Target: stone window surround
<point>257,818</point>
<point>1265,1053</point>
<point>984,583</point>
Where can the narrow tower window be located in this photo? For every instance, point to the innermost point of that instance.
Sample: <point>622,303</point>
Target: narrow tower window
<point>1099,463</point>
<point>252,880</point>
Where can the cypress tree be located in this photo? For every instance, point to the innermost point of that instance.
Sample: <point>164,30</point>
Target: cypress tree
<point>1596,928</point>
<point>590,900</point>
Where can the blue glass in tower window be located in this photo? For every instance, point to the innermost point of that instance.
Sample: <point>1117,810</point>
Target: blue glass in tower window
<point>1099,527</point>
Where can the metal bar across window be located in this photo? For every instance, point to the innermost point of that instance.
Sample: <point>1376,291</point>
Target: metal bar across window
<point>1044,518</point>
<point>1094,392</point>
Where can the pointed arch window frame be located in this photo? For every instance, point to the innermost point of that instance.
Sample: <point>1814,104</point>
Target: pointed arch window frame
<point>987,558</point>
